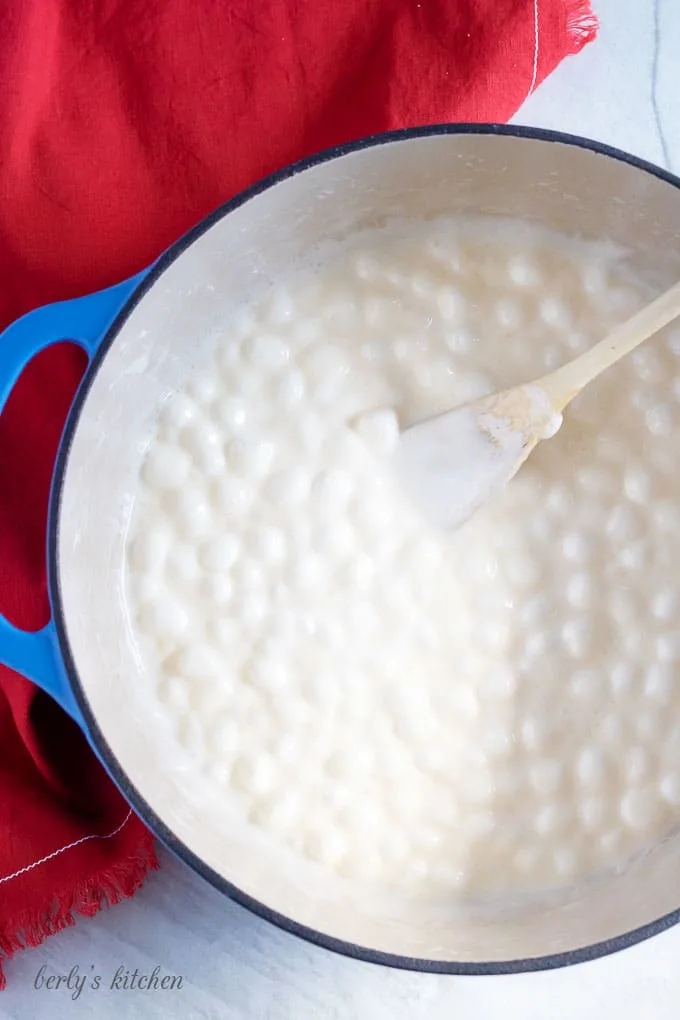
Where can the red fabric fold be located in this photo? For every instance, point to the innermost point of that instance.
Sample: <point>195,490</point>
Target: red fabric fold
<point>123,123</point>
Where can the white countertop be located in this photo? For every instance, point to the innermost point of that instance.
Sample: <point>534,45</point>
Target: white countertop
<point>622,90</point>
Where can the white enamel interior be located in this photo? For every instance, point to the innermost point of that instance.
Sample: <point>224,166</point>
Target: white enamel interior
<point>552,183</point>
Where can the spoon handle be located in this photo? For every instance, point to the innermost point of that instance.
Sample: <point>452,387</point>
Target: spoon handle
<point>563,384</point>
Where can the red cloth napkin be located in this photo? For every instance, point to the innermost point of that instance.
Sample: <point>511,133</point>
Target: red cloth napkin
<point>124,122</point>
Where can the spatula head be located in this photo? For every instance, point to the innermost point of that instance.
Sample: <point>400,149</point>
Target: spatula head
<point>455,462</point>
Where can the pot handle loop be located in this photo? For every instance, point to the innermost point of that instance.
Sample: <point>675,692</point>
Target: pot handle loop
<point>83,321</point>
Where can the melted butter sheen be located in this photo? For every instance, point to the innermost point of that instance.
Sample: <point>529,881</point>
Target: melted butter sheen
<point>380,697</point>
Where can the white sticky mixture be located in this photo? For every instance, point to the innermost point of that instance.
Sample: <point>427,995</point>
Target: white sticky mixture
<point>488,712</point>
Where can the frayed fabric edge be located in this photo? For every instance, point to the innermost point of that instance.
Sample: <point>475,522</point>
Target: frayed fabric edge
<point>117,883</point>
<point>582,24</point>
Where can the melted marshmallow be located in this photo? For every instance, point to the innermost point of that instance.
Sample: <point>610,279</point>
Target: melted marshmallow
<point>480,713</point>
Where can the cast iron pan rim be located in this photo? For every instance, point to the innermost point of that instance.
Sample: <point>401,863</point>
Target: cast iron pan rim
<point>157,826</point>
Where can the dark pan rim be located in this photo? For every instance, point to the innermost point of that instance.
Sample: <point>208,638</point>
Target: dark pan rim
<point>132,795</point>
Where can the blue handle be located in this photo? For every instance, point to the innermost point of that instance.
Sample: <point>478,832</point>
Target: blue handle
<point>83,321</point>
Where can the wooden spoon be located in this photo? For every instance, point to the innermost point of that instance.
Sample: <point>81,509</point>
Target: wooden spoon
<point>453,463</point>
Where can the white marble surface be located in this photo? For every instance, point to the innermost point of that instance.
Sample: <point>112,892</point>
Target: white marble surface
<point>624,89</point>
